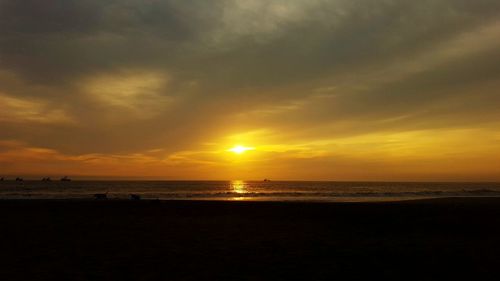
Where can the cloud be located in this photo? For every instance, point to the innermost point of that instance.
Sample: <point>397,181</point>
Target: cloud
<point>123,77</point>
<point>132,91</point>
<point>17,110</point>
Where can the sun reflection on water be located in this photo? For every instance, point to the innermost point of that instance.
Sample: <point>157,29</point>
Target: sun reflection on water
<point>238,186</point>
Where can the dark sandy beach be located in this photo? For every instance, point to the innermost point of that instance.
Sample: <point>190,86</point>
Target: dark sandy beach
<point>203,240</point>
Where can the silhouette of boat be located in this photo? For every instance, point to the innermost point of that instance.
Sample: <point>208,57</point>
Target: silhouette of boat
<point>65,178</point>
<point>267,180</point>
<point>47,179</point>
<point>19,179</point>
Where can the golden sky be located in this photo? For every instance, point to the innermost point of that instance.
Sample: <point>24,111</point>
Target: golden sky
<point>251,89</point>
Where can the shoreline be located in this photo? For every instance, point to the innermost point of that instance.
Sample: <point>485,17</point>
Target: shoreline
<point>319,200</point>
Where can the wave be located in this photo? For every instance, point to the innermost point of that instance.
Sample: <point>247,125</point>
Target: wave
<point>250,195</point>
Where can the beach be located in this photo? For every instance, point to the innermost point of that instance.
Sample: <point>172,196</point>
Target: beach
<point>230,240</point>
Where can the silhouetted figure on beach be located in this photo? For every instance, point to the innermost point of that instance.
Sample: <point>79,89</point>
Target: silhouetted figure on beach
<point>101,196</point>
<point>135,197</point>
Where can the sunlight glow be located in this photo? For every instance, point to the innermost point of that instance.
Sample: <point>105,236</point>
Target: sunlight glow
<point>238,186</point>
<point>239,149</point>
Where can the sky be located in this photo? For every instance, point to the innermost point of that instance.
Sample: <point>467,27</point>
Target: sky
<point>368,90</point>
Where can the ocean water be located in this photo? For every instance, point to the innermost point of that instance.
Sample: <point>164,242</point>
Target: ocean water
<point>245,190</point>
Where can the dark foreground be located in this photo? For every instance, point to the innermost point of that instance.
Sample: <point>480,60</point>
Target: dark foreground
<point>183,240</point>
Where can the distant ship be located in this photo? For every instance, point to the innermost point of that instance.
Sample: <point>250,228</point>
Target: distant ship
<point>266,180</point>
<point>46,179</point>
<point>65,178</point>
<point>19,179</point>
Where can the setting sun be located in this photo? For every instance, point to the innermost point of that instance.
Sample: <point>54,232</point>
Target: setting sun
<point>239,149</point>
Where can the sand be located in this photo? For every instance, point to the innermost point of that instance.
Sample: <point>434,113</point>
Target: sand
<point>200,240</point>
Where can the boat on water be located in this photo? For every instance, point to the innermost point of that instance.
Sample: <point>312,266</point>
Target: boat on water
<point>65,178</point>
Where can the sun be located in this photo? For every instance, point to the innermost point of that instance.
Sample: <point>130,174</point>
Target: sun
<point>239,149</point>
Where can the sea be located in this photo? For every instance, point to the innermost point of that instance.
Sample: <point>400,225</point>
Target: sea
<point>245,190</point>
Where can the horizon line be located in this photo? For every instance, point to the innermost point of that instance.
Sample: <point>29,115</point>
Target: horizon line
<point>145,179</point>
